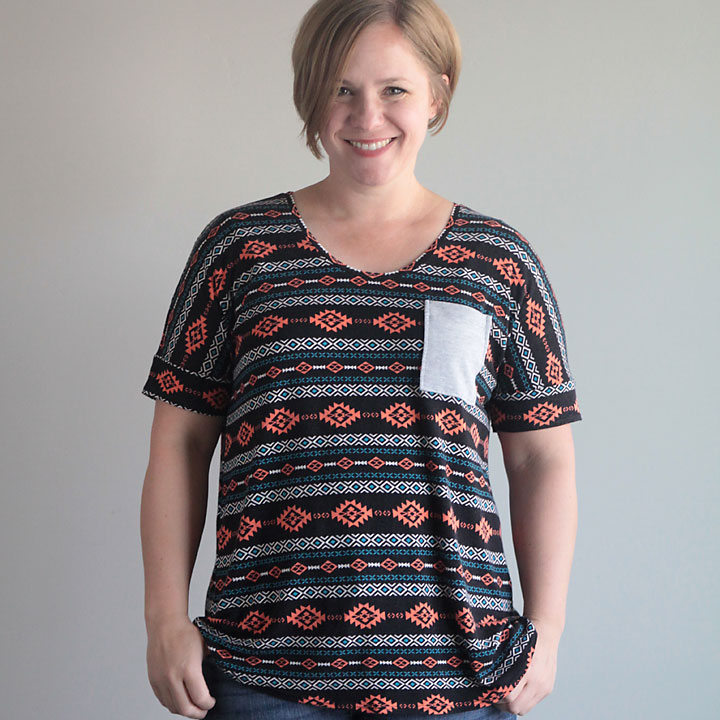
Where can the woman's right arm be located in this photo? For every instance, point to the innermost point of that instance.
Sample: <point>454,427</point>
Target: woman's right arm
<point>172,517</point>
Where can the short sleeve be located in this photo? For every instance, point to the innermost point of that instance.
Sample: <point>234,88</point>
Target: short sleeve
<point>535,388</point>
<point>193,367</point>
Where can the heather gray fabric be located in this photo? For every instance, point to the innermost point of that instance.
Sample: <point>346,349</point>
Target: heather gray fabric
<point>454,345</point>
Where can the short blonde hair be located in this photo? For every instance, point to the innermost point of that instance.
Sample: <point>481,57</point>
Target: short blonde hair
<point>327,34</point>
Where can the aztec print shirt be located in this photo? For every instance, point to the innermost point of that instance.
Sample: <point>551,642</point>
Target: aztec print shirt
<point>359,560</point>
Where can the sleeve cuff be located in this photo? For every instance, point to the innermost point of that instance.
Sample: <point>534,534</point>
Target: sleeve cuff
<point>534,415</point>
<point>186,389</point>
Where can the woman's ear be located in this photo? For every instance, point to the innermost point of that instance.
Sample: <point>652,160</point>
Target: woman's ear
<point>437,103</point>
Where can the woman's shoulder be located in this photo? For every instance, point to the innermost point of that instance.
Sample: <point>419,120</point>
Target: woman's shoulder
<point>264,206</point>
<point>493,227</point>
<point>225,229</point>
<point>505,247</point>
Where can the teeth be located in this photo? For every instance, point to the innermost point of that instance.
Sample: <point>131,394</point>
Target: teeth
<point>370,146</point>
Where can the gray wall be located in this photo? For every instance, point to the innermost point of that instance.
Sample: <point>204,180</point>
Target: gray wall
<point>591,127</point>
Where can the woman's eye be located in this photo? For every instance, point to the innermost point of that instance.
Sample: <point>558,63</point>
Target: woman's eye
<point>396,91</point>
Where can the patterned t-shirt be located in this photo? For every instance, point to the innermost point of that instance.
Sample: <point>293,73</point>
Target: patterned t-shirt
<point>359,561</point>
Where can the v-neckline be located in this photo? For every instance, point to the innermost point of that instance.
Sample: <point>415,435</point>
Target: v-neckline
<point>290,197</point>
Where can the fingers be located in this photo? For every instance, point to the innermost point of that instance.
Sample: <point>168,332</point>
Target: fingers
<point>198,691</point>
<point>511,697</point>
<point>189,697</point>
<point>515,691</point>
<point>520,703</point>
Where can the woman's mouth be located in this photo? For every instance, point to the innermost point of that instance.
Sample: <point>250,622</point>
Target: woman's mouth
<point>370,149</point>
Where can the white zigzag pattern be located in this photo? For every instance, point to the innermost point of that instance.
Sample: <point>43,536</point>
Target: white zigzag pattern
<point>326,300</point>
<point>388,682</point>
<point>254,498</point>
<point>370,685</point>
<point>513,247</point>
<point>427,269</point>
<point>382,440</point>
<point>526,357</point>
<point>200,275</point>
<point>369,641</point>
<point>366,541</point>
<point>535,394</point>
<point>377,586</point>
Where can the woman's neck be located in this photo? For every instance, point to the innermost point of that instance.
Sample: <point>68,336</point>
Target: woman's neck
<point>377,204</point>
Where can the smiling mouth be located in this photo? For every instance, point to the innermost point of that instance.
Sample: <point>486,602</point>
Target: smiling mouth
<point>373,145</point>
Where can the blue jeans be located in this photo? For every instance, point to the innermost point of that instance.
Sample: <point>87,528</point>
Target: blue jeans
<point>234,701</point>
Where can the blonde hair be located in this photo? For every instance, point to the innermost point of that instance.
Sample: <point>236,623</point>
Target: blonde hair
<point>327,34</point>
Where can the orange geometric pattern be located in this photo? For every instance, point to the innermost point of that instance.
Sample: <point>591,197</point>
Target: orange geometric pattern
<point>359,552</point>
<point>509,270</point>
<point>364,615</point>
<point>535,317</point>
<point>422,615</point>
<point>352,513</point>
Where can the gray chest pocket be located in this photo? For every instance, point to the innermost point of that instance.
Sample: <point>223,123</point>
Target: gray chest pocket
<point>455,340</point>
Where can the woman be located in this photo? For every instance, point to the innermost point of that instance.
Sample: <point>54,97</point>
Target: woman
<point>354,342</point>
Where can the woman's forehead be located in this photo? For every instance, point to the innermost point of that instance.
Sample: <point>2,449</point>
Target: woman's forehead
<point>382,81</point>
<point>386,48</point>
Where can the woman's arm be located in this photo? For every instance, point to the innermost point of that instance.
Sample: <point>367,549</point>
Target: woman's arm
<point>172,517</point>
<point>540,466</point>
<point>174,505</point>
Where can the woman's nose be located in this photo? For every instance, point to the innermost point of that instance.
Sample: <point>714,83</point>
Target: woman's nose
<point>367,110</point>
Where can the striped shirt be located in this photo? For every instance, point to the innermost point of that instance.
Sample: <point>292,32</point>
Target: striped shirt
<point>359,560</point>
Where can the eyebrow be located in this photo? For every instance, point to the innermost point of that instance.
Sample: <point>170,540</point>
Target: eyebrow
<point>386,80</point>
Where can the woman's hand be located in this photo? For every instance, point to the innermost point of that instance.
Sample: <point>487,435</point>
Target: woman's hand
<point>539,680</point>
<point>174,657</point>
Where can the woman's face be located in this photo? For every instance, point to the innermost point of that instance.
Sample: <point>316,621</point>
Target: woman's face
<point>385,93</point>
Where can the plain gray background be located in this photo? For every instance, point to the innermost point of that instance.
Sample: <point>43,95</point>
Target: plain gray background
<point>591,127</point>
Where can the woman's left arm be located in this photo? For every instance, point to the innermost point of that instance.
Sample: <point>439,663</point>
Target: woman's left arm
<point>540,466</point>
